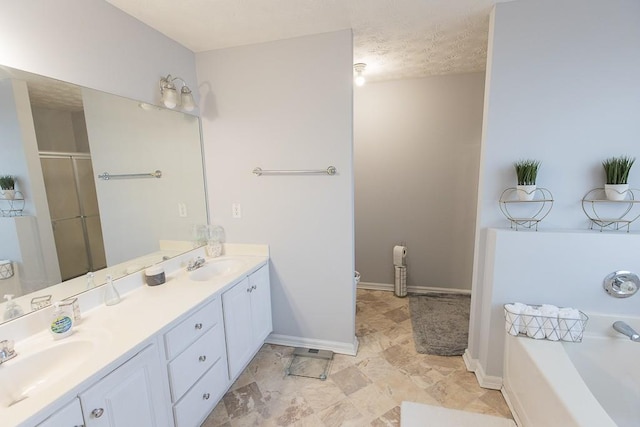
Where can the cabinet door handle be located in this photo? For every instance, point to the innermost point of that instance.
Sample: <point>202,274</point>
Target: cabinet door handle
<point>206,396</point>
<point>97,413</point>
<point>202,358</point>
<point>198,325</point>
<point>249,289</point>
<point>253,287</point>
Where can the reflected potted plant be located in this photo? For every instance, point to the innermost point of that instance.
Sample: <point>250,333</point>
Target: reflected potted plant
<point>8,186</point>
<point>617,170</point>
<point>526,172</point>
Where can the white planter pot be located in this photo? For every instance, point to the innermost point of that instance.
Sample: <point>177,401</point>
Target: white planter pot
<point>616,191</point>
<point>9,194</point>
<point>526,192</point>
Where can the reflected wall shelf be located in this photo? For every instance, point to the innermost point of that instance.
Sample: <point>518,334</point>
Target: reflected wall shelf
<point>12,207</point>
<point>526,213</point>
<point>611,214</point>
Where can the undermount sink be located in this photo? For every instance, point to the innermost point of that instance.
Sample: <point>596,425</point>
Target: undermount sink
<point>40,364</point>
<point>213,269</point>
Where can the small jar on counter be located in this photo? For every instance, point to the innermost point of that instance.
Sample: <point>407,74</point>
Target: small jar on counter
<point>154,275</point>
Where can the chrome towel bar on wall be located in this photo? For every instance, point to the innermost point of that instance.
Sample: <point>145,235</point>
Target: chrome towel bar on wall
<point>331,170</point>
<point>107,176</point>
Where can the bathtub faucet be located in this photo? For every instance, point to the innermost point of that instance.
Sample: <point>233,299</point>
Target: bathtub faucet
<point>627,330</point>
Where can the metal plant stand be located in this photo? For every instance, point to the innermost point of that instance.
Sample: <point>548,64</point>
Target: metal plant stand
<point>611,214</point>
<point>525,213</point>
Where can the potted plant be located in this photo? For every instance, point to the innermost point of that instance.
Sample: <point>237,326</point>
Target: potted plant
<point>526,172</point>
<point>8,183</point>
<point>617,170</point>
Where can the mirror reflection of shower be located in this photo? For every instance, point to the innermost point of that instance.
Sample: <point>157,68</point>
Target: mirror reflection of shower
<point>68,175</point>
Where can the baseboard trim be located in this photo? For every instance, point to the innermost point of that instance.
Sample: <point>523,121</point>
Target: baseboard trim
<point>372,286</point>
<point>469,362</point>
<point>484,380</point>
<point>514,406</point>
<point>350,349</point>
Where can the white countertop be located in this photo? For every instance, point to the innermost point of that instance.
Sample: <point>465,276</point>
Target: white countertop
<point>122,330</point>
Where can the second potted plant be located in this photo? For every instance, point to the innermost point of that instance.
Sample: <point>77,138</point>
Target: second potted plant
<point>8,186</point>
<point>617,170</point>
<point>527,172</point>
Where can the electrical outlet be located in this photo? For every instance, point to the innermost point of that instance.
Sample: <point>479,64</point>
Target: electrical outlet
<point>236,210</point>
<point>182,210</point>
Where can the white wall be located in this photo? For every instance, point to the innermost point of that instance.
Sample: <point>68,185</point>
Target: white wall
<point>417,152</point>
<point>92,44</point>
<point>563,86</point>
<point>288,105</point>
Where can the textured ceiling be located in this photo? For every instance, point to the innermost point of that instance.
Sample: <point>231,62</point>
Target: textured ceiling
<point>397,39</point>
<point>46,92</point>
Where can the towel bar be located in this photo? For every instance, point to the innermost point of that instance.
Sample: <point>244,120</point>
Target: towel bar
<point>107,176</point>
<point>331,170</point>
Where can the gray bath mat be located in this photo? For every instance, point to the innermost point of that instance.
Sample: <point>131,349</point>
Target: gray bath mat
<point>440,322</point>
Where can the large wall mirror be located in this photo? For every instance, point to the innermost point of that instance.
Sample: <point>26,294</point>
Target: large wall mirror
<point>67,226</point>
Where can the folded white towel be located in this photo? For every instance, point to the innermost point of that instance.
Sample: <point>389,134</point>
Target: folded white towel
<point>520,307</point>
<point>570,324</point>
<point>512,318</point>
<point>533,322</point>
<point>550,321</point>
<point>549,308</point>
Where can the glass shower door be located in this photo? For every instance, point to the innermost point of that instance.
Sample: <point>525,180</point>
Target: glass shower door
<point>74,213</point>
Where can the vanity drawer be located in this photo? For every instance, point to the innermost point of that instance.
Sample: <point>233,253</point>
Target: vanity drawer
<point>192,328</point>
<point>191,364</point>
<point>192,409</point>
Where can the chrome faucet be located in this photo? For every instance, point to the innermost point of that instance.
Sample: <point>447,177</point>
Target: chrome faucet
<point>627,330</point>
<point>6,351</point>
<point>195,263</point>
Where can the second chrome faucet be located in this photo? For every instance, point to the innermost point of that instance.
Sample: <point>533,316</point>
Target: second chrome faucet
<point>195,263</point>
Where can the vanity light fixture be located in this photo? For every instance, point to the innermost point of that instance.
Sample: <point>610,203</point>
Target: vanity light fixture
<point>359,69</point>
<point>169,93</point>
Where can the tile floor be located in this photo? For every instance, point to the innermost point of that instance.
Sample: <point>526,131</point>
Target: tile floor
<point>365,390</point>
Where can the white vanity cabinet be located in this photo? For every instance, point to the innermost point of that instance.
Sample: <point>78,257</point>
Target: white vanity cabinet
<point>68,416</point>
<point>131,395</point>
<point>173,372</point>
<point>197,364</point>
<point>247,318</point>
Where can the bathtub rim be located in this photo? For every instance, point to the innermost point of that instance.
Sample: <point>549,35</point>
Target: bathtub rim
<point>559,373</point>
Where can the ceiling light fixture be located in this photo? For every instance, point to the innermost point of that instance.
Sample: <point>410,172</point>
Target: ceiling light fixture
<point>359,69</point>
<point>170,97</point>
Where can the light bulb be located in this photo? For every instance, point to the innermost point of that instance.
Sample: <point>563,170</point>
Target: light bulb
<point>359,69</point>
<point>188,104</point>
<point>170,97</point>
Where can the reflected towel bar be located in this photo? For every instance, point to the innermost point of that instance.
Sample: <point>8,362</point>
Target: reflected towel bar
<point>331,170</point>
<point>107,176</point>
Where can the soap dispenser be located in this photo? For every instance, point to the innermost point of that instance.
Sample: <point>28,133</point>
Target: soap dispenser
<point>91,280</point>
<point>12,309</point>
<point>111,295</point>
<point>61,323</point>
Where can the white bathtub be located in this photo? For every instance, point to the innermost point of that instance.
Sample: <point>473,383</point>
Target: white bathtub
<point>592,383</point>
